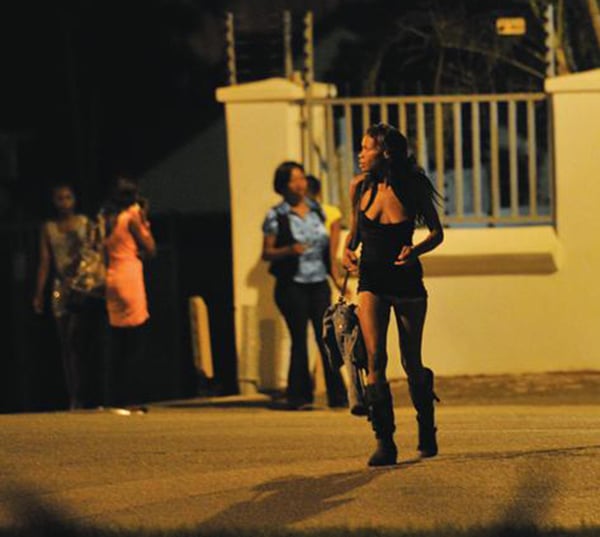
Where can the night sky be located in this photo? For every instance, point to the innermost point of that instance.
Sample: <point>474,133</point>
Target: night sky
<point>92,88</point>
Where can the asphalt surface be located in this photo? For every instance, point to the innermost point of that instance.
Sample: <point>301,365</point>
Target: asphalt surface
<point>233,463</point>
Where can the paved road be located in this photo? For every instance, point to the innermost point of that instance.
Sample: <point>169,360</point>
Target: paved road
<point>242,465</point>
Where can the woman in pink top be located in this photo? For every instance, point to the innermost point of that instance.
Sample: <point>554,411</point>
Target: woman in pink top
<point>128,240</point>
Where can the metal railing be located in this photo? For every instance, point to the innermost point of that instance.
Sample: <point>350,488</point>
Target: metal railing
<point>489,156</point>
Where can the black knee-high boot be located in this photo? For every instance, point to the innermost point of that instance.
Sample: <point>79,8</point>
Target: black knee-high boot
<point>423,396</point>
<point>381,416</point>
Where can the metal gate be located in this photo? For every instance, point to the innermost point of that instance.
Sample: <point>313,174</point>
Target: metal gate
<point>489,156</point>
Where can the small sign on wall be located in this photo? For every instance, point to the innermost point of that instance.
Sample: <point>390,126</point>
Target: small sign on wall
<point>511,26</point>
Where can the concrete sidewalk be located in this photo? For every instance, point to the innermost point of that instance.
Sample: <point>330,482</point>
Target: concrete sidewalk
<point>554,388</point>
<point>232,463</point>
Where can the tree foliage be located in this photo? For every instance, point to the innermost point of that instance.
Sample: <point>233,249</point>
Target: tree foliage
<point>433,47</point>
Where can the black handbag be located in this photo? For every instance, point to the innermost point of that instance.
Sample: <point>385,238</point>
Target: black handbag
<point>341,329</point>
<point>286,267</point>
<point>344,343</point>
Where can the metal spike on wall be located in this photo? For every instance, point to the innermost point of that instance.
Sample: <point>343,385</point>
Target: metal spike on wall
<point>230,39</point>
<point>287,45</point>
<point>309,64</point>
<point>550,29</point>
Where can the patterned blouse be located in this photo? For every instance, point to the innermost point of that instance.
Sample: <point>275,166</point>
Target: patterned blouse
<point>309,230</point>
<point>65,247</point>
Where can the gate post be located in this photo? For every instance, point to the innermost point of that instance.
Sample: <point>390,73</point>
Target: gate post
<point>263,129</point>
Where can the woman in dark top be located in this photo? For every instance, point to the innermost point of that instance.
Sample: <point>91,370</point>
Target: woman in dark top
<point>297,245</point>
<point>393,194</point>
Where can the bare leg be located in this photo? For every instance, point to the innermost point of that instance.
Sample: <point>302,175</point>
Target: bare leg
<point>374,317</point>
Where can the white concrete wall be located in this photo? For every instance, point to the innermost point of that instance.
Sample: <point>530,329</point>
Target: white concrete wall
<point>547,316</point>
<point>501,300</point>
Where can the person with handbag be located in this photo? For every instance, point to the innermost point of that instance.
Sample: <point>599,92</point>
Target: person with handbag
<point>344,342</point>
<point>128,240</point>
<point>390,197</point>
<point>297,245</point>
<point>61,242</point>
<point>345,347</point>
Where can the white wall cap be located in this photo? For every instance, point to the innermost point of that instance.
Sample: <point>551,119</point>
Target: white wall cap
<point>499,240</point>
<point>272,89</point>
<point>586,81</point>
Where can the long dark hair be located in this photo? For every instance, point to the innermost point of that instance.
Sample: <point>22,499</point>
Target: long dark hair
<point>400,170</point>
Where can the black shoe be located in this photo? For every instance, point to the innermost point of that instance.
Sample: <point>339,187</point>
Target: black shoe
<point>359,410</point>
<point>386,453</point>
<point>291,404</point>
<point>427,442</point>
<point>138,409</point>
<point>423,397</point>
<point>381,415</point>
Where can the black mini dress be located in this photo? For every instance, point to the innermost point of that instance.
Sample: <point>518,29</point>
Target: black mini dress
<point>381,245</point>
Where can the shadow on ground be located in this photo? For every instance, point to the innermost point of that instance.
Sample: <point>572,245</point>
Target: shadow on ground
<point>275,503</point>
<point>275,507</point>
<point>224,403</point>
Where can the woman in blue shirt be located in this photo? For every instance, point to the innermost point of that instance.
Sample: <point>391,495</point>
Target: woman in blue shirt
<point>297,245</point>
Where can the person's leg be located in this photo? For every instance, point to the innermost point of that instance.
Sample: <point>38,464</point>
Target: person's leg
<point>70,348</point>
<point>75,346</point>
<point>136,364</point>
<point>127,353</point>
<point>320,300</point>
<point>62,329</point>
<point>85,346</point>
<point>410,316</point>
<point>118,366</point>
<point>292,301</point>
<point>93,360</point>
<point>374,316</point>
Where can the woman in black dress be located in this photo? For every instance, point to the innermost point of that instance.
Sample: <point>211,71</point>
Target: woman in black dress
<point>393,195</point>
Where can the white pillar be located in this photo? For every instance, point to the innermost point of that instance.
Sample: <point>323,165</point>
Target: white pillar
<point>263,129</point>
<point>576,119</point>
